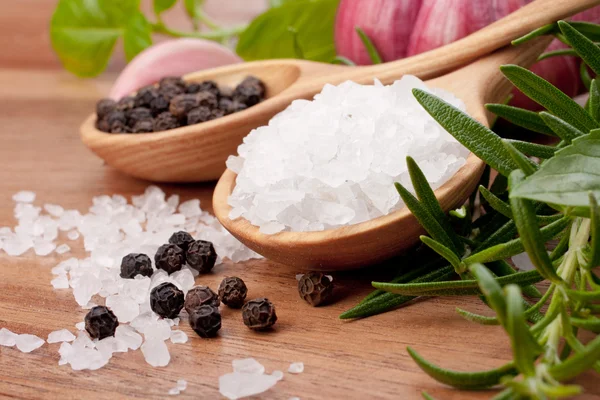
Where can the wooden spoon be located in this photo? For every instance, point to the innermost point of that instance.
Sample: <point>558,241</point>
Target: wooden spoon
<point>198,152</point>
<point>370,242</point>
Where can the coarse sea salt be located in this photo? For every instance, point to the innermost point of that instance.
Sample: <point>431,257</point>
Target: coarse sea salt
<point>333,161</point>
<point>62,335</point>
<point>296,368</point>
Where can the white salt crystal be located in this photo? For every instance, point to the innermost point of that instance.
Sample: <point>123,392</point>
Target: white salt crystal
<point>73,235</point>
<point>83,341</point>
<point>54,209</point>
<point>156,353</point>
<point>16,245</point>
<point>128,336</point>
<point>178,336</point>
<point>81,326</point>
<point>248,366</point>
<point>299,276</point>
<point>87,286</point>
<point>277,374</point>
<point>184,278</point>
<point>294,398</point>
<point>190,208</point>
<point>44,248</point>
<point>181,384</point>
<point>159,330</point>
<point>173,391</point>
<point>523,262</point>
<point>124,307</point>
<point>237,385</point>
<point>137,288</point>
<point>62,335</point>
<point>296,368</point>
<point>60,282</point>
<point>7,338</point>
<point>65,351</point>
<point>24,196</point>
<point>26,343</point>
<point>63,248</point>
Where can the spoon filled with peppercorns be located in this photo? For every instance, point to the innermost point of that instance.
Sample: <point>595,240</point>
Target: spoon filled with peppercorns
<point>183,130</point>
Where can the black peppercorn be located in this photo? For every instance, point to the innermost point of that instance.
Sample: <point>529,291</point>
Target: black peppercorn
<point>216,113</point>
<point>315,288</point>
<point>136,264</point>
<point>166,300</point>
<point>102,124</point>
<point>105,107</point>
<point>159,105</point>
<point>181,239</point>
<point>126,103</point>
<point>250,91</point>
<point>199,296</point>
<point>172,80</point>
<point>201,256</point>
<point>229,106</point>
<point>207,99</point>
<point>116,117</point>
<point>226,92</point>
<point>211,87</point>
<point>259,314</point>
<point>169,257</point>
<point>100,322</point>
<point>137,114</point>
<point>119,127</point>
<point>232,292</point>
<point>169,91</point>
<point>198,114</point>
<point>165,121</point>
<point>192,88</point>
<point>205,321</point>
<point>144,96</point>
<point>144,126</point>
<point>180,105</point>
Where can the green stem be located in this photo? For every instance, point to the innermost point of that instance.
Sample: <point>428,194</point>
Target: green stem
<point>216,35</point>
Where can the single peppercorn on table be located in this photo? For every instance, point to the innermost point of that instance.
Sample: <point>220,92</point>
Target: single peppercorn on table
<point>40,151</point>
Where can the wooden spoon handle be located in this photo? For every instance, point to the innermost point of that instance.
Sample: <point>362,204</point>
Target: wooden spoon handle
<point>436,62</point>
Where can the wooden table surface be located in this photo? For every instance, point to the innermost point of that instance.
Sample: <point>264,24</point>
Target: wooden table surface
<point>40,150</point>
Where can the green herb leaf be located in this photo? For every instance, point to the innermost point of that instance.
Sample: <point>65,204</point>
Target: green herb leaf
<point>473,135</point>
<point>594,100</point>
<point>568,177</point>
<point>268,35</point>
<point>525,164</point>
<point>594,255</point>
<point>547,95</point>
<point>84,32</point>
<point>343,60</point>
<point>524,118</point>
<point>585,76</point>
<point>585,48</point>
<point>584,296</point>
<point>530,235</point>
<point>161,6</point>
<point>427,198</point>
<point>192,8</point>
<point>544,30</point>
<point>588,29</point>
<point>428,221</point>
<point>463,380</point>
<point>491,289</point>
<point>455,288</point>
<point>369,46</point>
<point>495,202</point>
<point>579,363</point>
<point>533,149</point>
<point>480,319</point>
<point>565,131</point>
<point>445,252</point>
<point>557,53</point>
<point>590,324</point>
<point>502,268</point>
<point>137,36</point>
<point>427,396</point>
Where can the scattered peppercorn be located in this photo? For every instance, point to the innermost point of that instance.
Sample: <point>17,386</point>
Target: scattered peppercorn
<point>100,322</point>
<point>136,264</point>
<point>232,292</point>
<point>105,107</point>
<point>201,256</point>
<point>198,114</point>
<point>181,239</point>
<point>315,288</point>
<point>205,321</point>
<point>166,300</point>
<point>259,314</point>
<point>187,103</point>
<point>199,296</point>
<point>165,121</point>
<point>169,257</point>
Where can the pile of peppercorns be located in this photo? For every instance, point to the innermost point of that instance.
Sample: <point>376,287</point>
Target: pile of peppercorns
<point>201,303</point>
<point>175,103</point>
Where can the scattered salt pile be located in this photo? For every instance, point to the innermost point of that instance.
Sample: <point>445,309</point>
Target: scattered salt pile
<point>247,379</point>
<point>180,387</point>
<point>332,161</point>
<point>111,229</point>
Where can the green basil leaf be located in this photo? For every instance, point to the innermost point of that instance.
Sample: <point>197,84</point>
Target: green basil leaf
<point>480,140</point>
<point>524,118</point>
<point>161,6</point>
<point>550,97</point>
<point>427,197</point>
<point>594,100</point>
<point>595,233</point>
<point>463,380</point>
<point>369,46</point>
<point>533,149</point>
<point>84,32</point>
<point>269,36</point>
<point>565,131</point>
<point>525,164</point>
<point>137,36</point>
<point>579,363</point>
<point>587,50</point>
<point>568,177</point>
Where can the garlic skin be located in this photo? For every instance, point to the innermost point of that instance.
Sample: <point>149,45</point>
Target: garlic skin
<point>388,23</point>
<point>172,57</point>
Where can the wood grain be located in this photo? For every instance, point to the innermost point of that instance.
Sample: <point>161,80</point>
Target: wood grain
<point>40,150</point>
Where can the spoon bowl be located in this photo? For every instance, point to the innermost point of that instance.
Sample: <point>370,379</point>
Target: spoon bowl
<point>198,152</point>
<point>370,242</point>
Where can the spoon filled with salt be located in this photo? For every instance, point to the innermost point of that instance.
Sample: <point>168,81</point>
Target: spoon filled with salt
<point>361,244</point>
<point>198,152</point>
